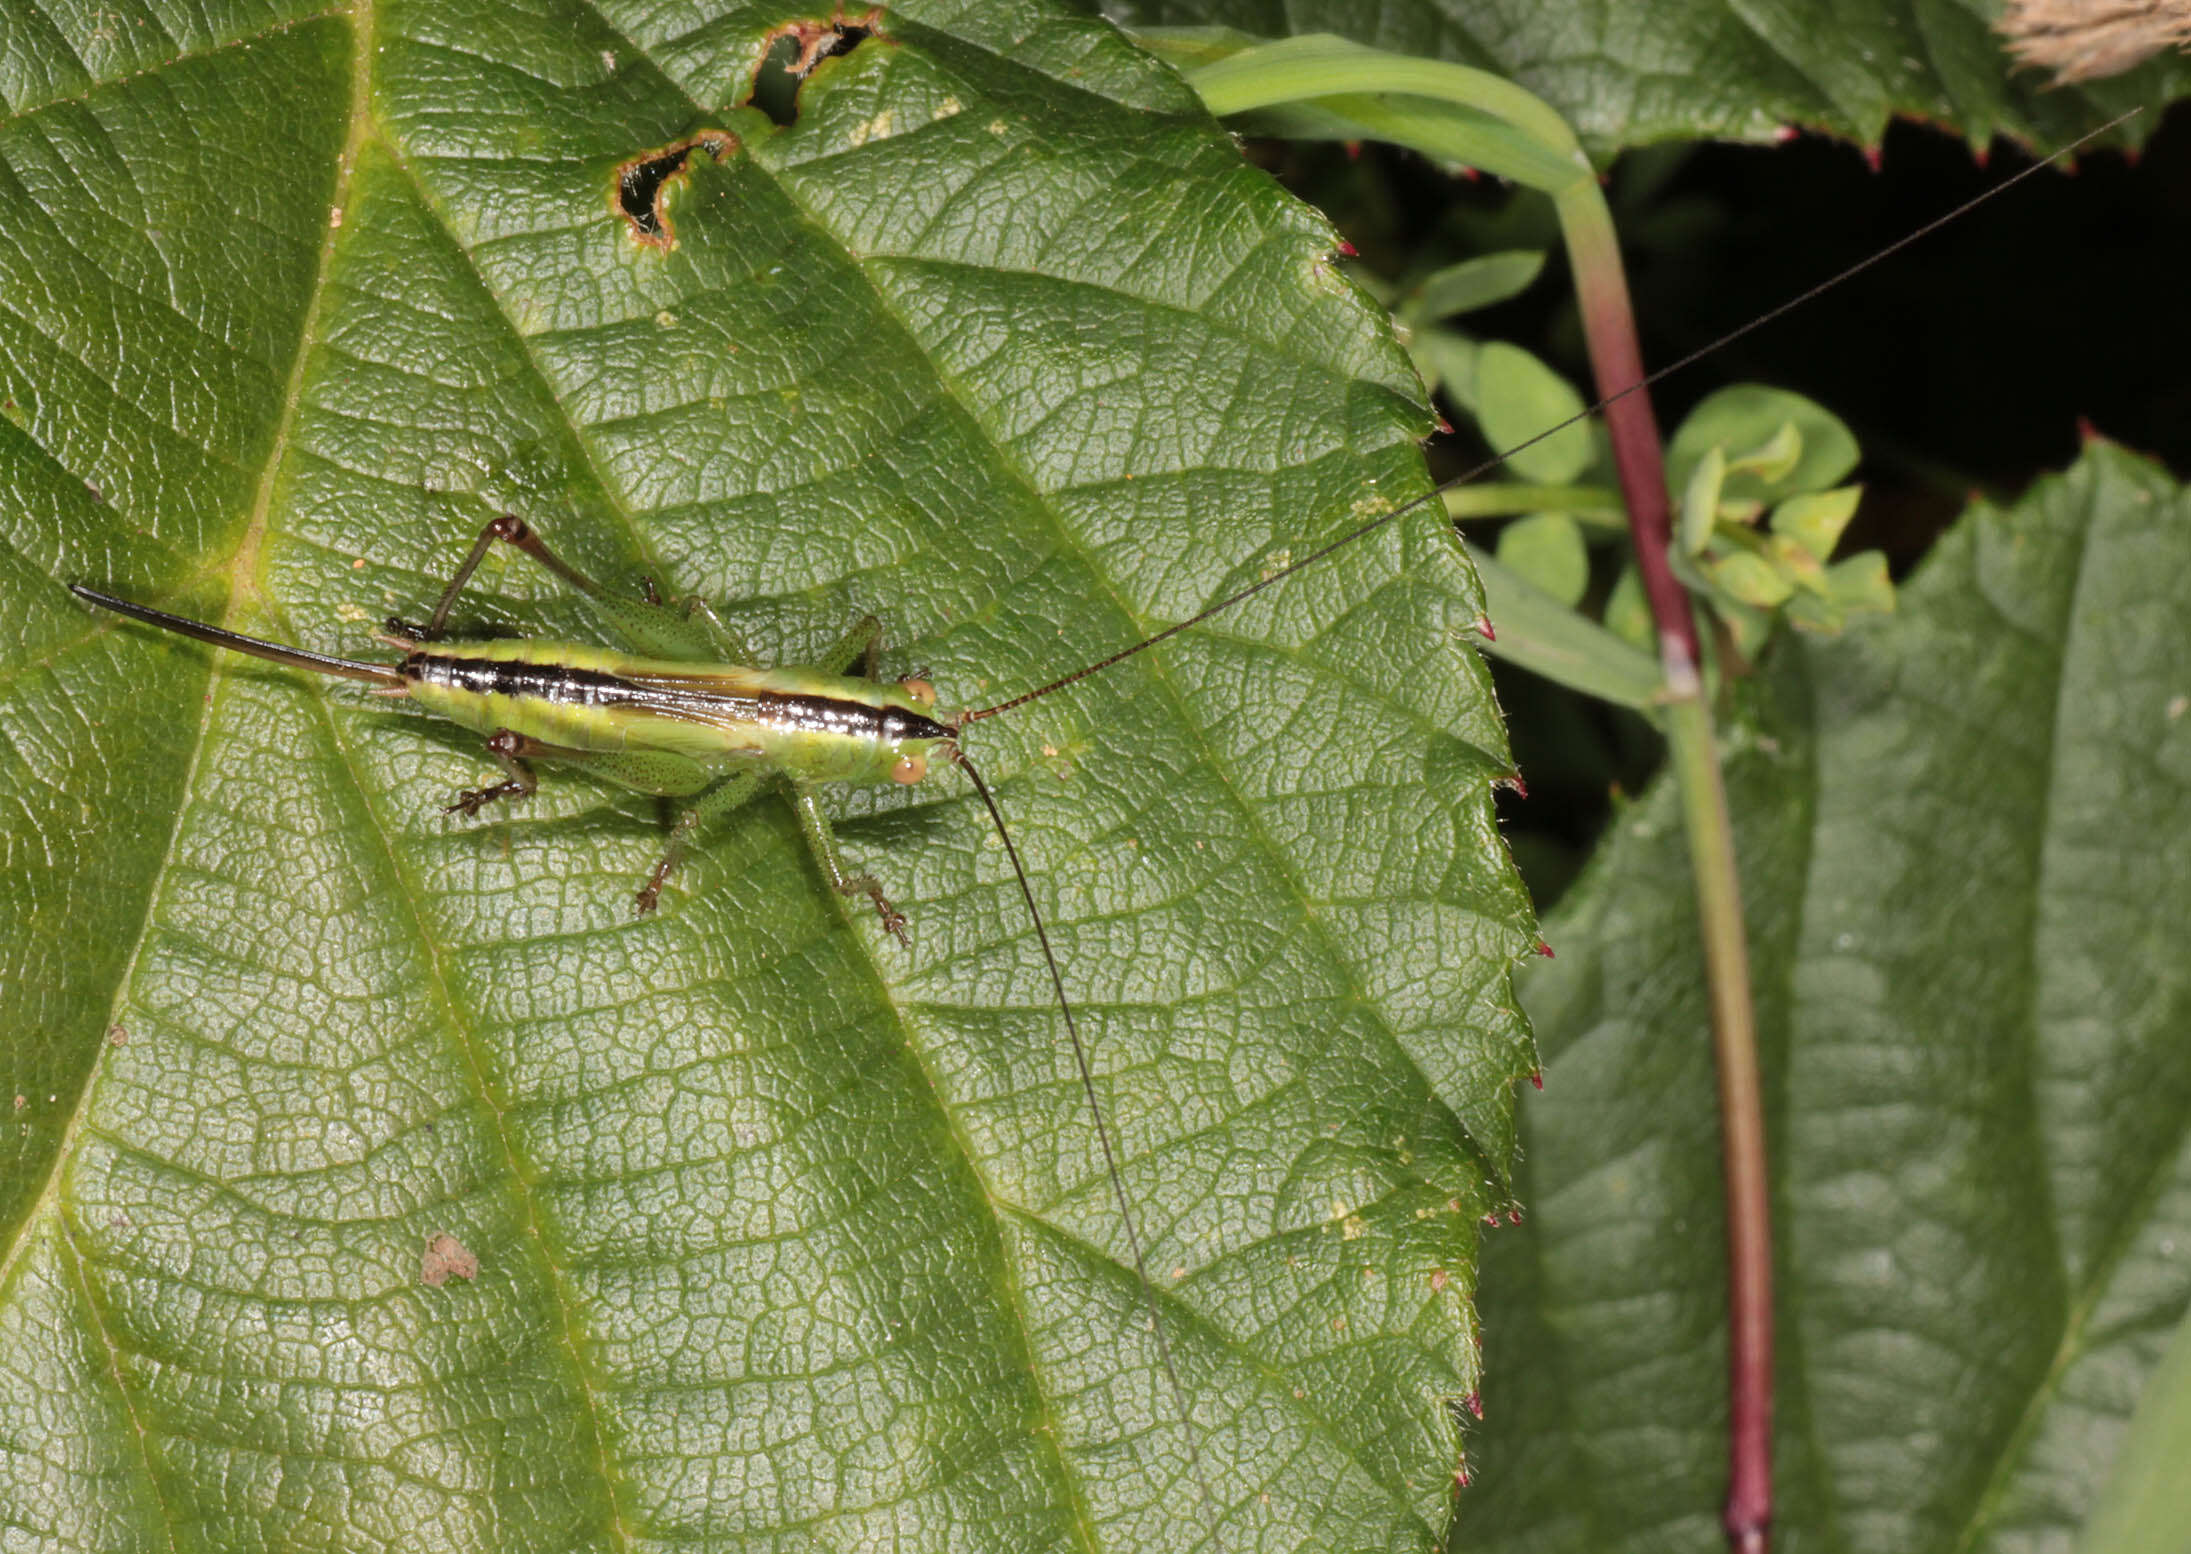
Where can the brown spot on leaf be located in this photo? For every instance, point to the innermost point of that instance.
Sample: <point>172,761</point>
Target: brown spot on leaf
<point>446,1258</point>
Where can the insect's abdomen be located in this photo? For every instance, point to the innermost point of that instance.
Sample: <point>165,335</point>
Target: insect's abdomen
<point>821,728</point>
<point>557,692</point>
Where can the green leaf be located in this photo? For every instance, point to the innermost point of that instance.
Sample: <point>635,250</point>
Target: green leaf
<point>1749,628</point>
<point>1748,418</point>
<point>1628,611</point>
<point>1547,549</point>
<point>1815,520</point>
<point>1516,398</point>
<point>1700,501</point>
<point>1688,69</point>
<point>1538,632</point>
<point>748,1226</point>
<point>2146,1506</point>
<point>1773,460</point>
<point>1749,578</point>
<point>1447,360</point>
<point>1472,284</point>
<point>1966,871</point>
<point>1860,582</point>
<point>1796,563</point>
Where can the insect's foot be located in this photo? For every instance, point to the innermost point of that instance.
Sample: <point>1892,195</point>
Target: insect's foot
<point>409,631</point>
<point>643,903</point>
<point>893,922</point>
<point>472,800</point>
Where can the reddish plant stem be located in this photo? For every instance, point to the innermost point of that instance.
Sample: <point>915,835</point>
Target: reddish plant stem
<point>1617,360</point>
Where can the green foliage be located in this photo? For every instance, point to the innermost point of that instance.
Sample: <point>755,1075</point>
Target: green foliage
<point>1547,549</point>
<point>1772,443</point>
<point>1758,521</point>
<point>1469,284</point>
<point>1965,870</point>
<point>1515,397</point>
<point>1544,634</point>
<point>375,1179</point>
<point>1688,69</point>
<point>1748,457</point>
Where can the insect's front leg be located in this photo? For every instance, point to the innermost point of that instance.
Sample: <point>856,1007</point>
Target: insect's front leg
<point>859,652</point>
<point>726,795</point>
<point>823,839</point>
<point>861,646</point>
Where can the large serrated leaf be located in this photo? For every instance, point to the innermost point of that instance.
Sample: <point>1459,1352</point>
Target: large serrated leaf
<point>782,1235</point>
<point>1965,864</point>
<point>1630,75</point>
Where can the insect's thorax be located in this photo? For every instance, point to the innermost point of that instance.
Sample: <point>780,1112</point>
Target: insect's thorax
<point>821,727</point>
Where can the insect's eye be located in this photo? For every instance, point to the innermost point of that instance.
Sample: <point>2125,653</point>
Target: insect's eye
<point>910,768</point>
<point>920,691</point>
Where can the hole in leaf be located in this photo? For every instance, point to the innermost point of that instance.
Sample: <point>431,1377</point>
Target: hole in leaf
<point>642,185</point>
<point>796,49</point>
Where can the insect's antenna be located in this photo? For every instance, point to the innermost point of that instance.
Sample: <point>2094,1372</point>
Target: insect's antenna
<point>349,668</point>
<point>1103,1129</point>
<point>1386,520</point>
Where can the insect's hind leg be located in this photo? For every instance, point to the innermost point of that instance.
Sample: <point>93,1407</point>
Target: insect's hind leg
<point>654,626</point>
<point>690,631</point>
<point>823,839</point>
<point>510,530</point>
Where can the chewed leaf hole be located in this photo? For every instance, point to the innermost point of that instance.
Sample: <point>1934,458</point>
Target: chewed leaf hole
<point>642,185</point>
<point>797,49</point>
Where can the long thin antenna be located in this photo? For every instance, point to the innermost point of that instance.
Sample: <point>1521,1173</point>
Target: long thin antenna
<point>1103,1135</point>
<point>1363,531</point>
<point>349,668</point>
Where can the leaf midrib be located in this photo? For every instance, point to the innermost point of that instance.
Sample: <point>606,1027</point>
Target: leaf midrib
<point>1047,1439</point>
<point>243,567</point>
<point>1067,542</point>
